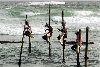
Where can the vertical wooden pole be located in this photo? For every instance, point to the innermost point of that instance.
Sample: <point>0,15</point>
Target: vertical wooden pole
<point>63,52</point>
<point>86,49</point>
<point>22,45</point>
<point>62,18</point>
<point>86,63</point>
<point>19,63</point>
<point>26,16</point>
<point>78,63</point>
<point>23,32</point>
<point>63,36</point>
<point>49,50</point>
<point>49,32</point>
<point>49,14</point>
<point>29,45</point>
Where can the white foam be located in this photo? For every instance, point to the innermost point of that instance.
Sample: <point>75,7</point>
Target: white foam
<point>8,8</point>
<point>17,29</point>
<point>44,3</point>
<point>80,22</point>
<point>56,2</point>
<point>76,19</point>
<point>30,13</point>
<point>38,30</point>
<point>82,13</point>
<point>56,18</point>
<point>9,29</point>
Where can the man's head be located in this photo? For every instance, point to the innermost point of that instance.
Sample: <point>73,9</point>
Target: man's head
<point>77,32</point>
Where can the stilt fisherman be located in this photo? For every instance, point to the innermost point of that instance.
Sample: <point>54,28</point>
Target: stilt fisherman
<point>63,33</point>
<point>78,44</point>
<point>27,29</point>
<point>48,34</point>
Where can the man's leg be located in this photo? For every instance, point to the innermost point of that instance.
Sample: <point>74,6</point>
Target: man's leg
<point>48,37</point>
<point>61,40</point>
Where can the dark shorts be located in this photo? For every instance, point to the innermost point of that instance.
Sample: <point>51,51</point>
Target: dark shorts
<point>44,37</point>
<point>27,33</point>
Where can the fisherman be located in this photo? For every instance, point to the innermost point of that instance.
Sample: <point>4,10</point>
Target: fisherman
<point>64,33</point>
<point>78,44</point>
<point>27,29</point>
<point>48,34</point>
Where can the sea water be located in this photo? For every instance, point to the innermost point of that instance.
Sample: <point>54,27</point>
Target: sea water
<point>77,15</point>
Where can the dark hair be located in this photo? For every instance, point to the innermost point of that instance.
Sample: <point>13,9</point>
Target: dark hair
<point>77,33</point>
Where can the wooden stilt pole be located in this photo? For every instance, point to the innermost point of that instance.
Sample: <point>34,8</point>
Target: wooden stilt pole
<point>22,45</point>
<point>63,53</point>
<point>49,32</point>
<point>49,50</point>
<point>29,45</point>
<point>86,49</point>
<point>78,63</point>
<point>86,63</point>
<point>63,37</point>
<point>19,63</point>
<point>26,16</point>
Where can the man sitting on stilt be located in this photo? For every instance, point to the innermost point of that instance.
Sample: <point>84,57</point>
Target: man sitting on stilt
<point>78,44</point>
<point>27,29</point>
<point>63,34</point>
<point>49,34</point>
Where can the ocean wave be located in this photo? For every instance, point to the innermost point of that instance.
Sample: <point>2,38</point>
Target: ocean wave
<point>76,19</point>
<point>79,22</point>
<point>83,13</point>
<point>44,3</point>
<point>29,13</point>
<point>56,18</point>
<point>16,29</point>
